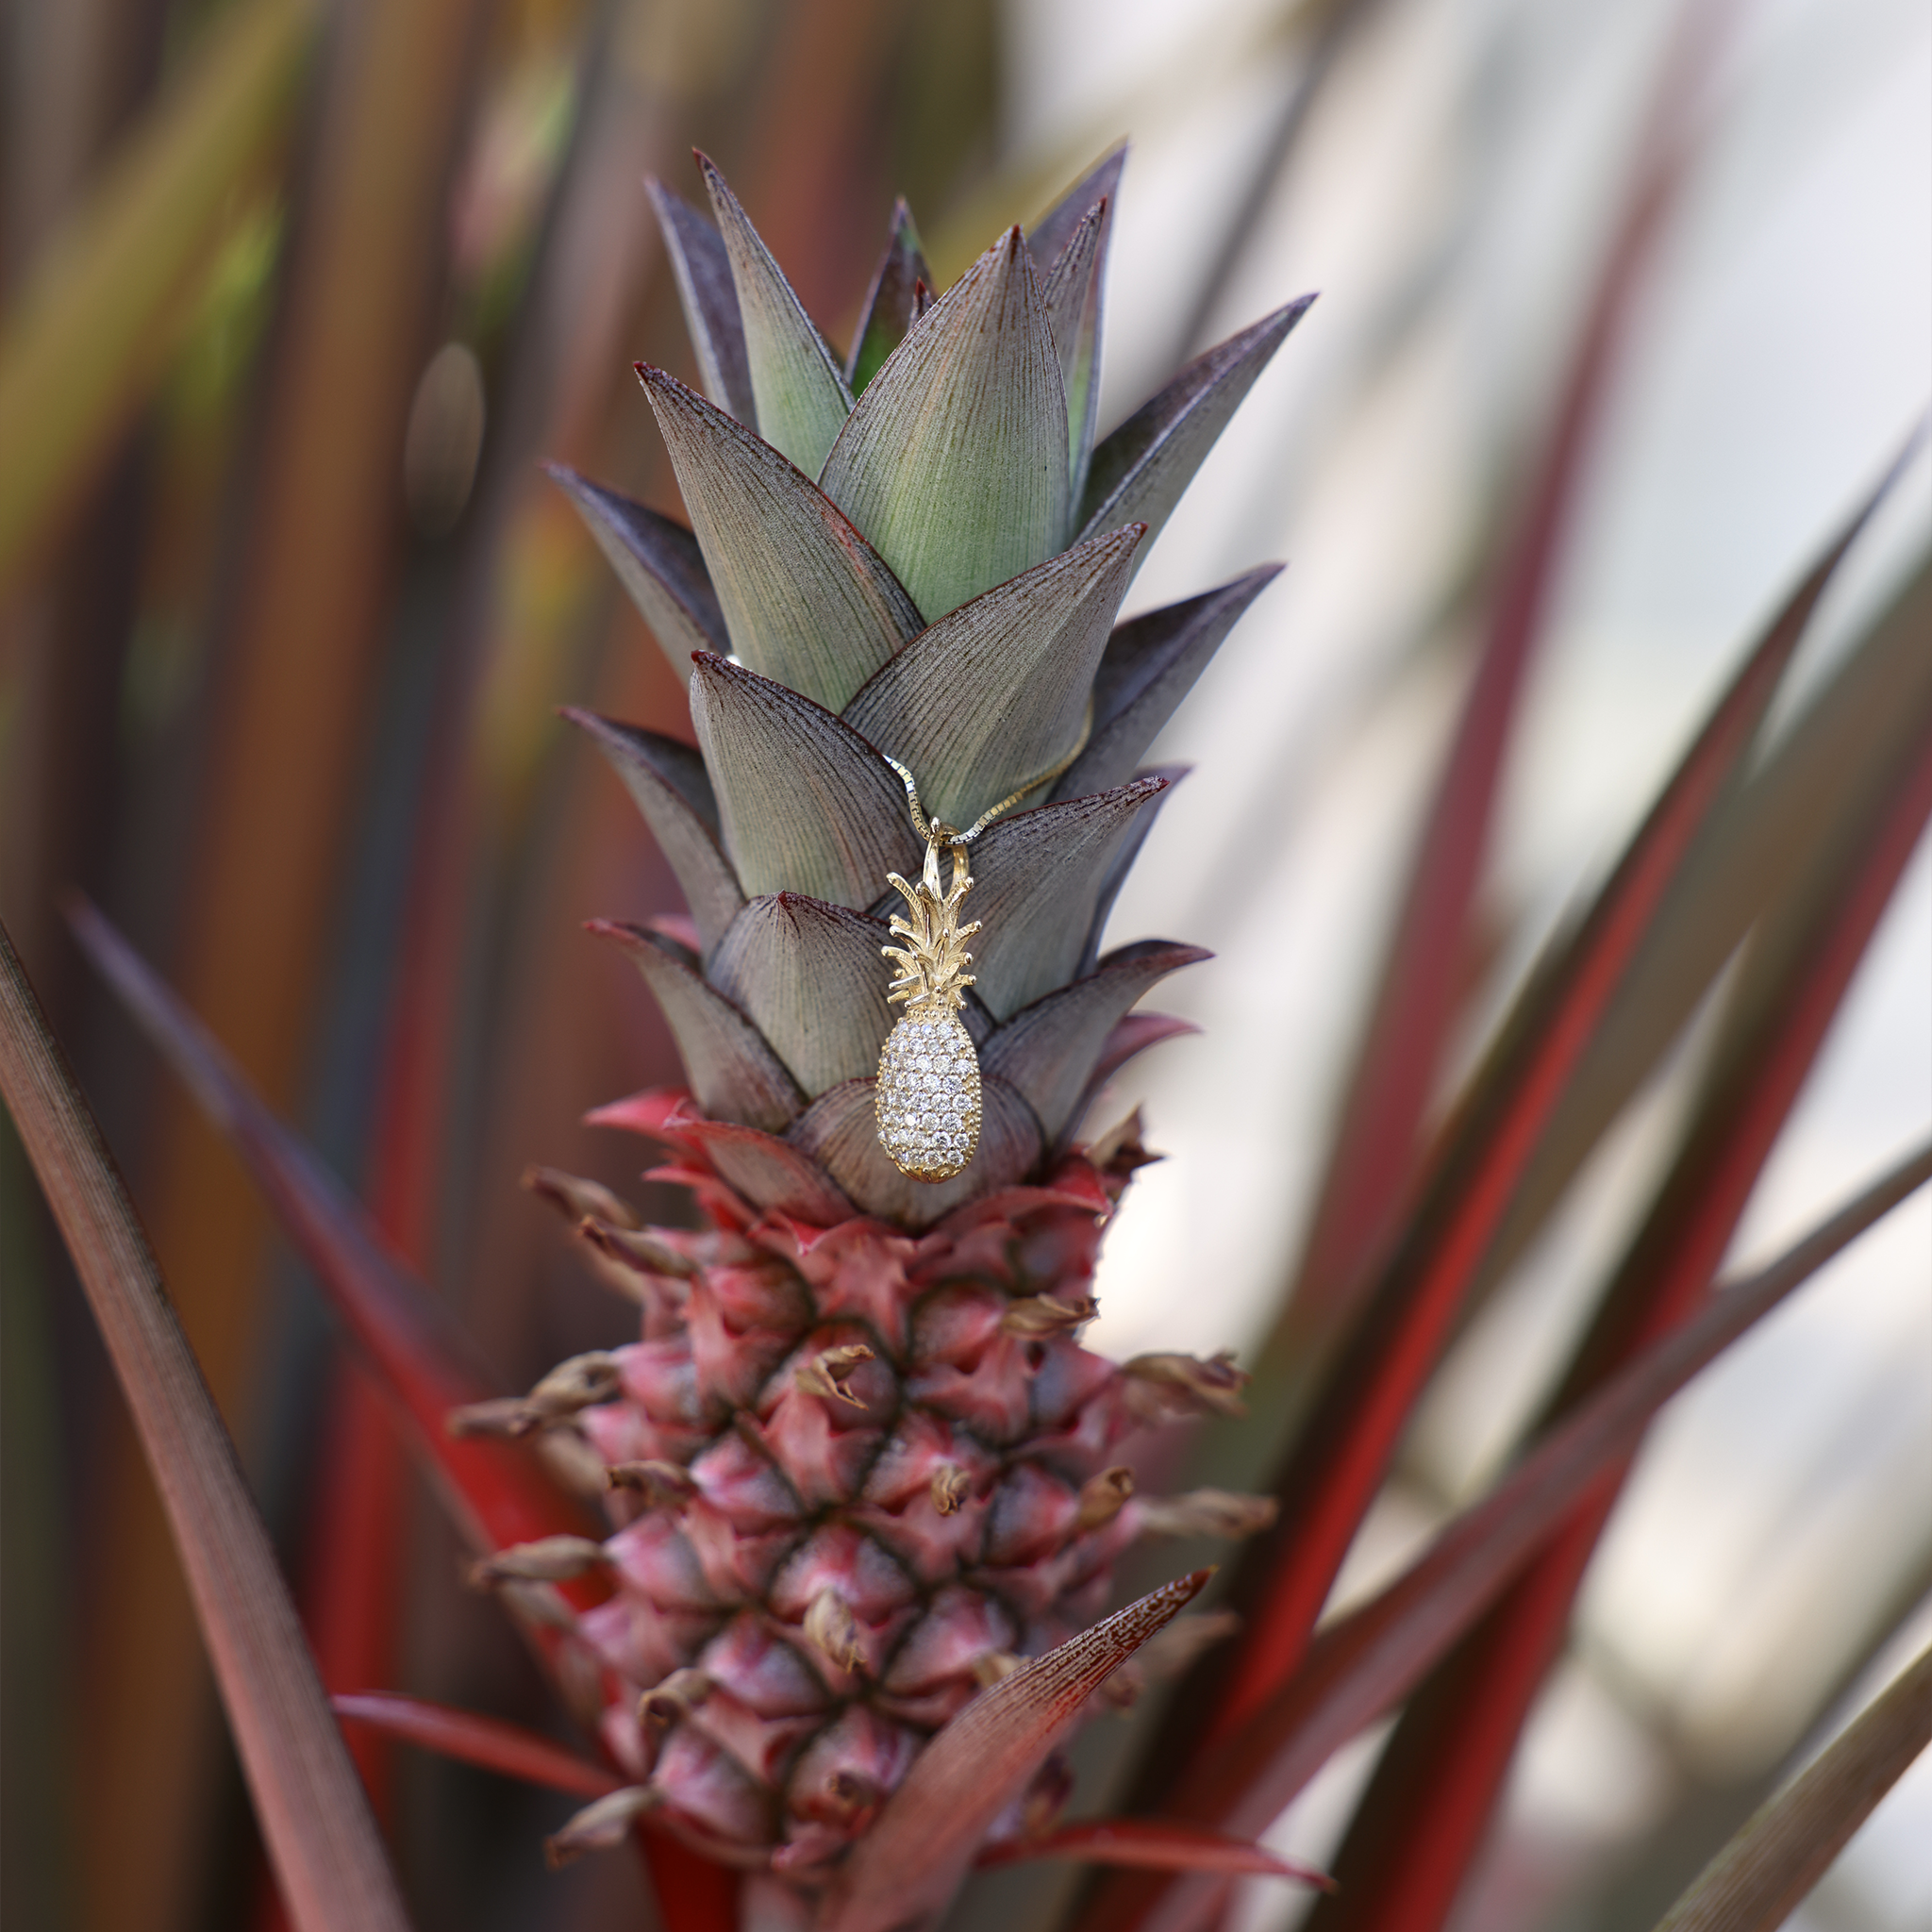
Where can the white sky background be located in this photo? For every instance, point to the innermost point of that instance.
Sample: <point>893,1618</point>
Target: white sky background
<point>1784,347</point>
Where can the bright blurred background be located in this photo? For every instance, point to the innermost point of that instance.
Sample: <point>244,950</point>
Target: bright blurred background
<point>293,300</point>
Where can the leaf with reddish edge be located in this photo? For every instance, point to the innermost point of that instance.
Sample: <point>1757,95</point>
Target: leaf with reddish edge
<point>497,1491</point>
<point>1337,1463</point>
<point>490,1743</point>
<point>907,1866</point>
<point>1472,1713</point>
<point>1374,1147</point>
<point>327,1855</point>
<point>1368,1661</point>
<point>1153,1844</point>
<point>1756,1881</point>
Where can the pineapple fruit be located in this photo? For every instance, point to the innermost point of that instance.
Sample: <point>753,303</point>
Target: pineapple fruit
<point>857,1458</point>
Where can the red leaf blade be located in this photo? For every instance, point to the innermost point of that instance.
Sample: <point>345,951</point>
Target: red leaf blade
<point>492,1743</point>
<point>1339,1460</point>
<point>1156,1844</point>
<point>915,1854</point>
<point>425,1361</point>
<point>1368,1661</point>
<point>327,1856</point>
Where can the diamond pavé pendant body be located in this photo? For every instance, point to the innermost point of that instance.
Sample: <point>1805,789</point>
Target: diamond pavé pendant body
<point>927,1099</point>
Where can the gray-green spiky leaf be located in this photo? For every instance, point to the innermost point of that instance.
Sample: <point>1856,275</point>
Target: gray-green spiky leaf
<point>996,693</point>
<point>705,287</point>
<point>1149,666</point>
<point>1073,294</point>
<point>1048,237</point>
<point>1049,1051</point>
<point>954,462</point>
<point>1120,860</point>
<point>799,389</point>
<point>1141,469</point>
<point>667,782</point>
<point>811,978</point>
<point>805,598</point>
<point>1037,880</point>
<point>804,803</point>
<point>893,304</point>
<point>840,1131</point>
<point>733,1072</point>
<point>659,563</point>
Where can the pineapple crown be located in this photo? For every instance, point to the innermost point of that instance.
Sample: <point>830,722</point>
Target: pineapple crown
<point>921,549</point>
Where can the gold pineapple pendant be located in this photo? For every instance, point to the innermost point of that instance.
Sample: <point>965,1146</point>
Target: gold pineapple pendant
<point>927,1099</point>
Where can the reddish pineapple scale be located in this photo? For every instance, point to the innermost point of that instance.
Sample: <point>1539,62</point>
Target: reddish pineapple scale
<point>883,1444</point>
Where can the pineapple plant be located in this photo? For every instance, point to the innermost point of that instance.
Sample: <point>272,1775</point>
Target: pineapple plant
<point>857,1461</point>
<point>816,1551</point>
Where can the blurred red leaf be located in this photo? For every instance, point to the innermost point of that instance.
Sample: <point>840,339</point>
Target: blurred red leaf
<point>490,1743</point>
<point>1368,1660</point>
<point>328,1858</point>
<point>497,1491</point>
<point>1339,1461</point>
<point>1793,983</point>
<point>910,1862</point>
<point>1153,1844</point>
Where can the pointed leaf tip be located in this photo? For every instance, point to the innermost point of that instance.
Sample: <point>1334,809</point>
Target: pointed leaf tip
<point>667,782</point>
<point>912,1859</point>
<point>1142,469</point>
<point>734,1073</point>
<point>899,295</point>
<point>701,270</point>
<point>799,389</point>
<point>995,691</point>
<point>659,562</point>
<point>805,600</point>
<point>1050,234</point>
<point>954,462</point>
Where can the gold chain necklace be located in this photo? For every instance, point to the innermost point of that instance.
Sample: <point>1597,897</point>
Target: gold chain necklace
<point>927,1100</point>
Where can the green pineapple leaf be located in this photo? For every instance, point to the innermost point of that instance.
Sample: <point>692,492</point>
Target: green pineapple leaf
<point>954,462</point>
<point>659,562</point>
<point>1038,880</point>
<point>996,693</point>
<point>810,977</point>
<point>735,1075</point>
<point>1143,468</point>
<point>701,270</point>
<point>668,783</point>
<point>805,600</point>
<point>1048,237</point>
<point>1072,292</point>
<point>1049,1050</point>
<point>799,388</point>
<point>1149,665</point>
<point>1114,871</point>
<point>893,304</point>
<point>805,803</point>
<point>839,1130</point>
